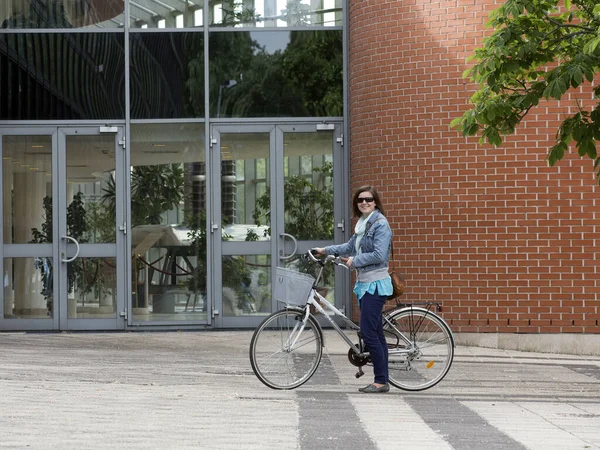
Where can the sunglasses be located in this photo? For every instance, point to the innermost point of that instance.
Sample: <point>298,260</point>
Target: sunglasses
<point>364,199</point>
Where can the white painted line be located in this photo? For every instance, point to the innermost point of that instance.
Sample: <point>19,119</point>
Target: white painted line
<point>538,425</point>
<point>392,423</point>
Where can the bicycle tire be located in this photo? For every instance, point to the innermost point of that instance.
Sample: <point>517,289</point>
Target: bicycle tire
<point>286,368</point>
<point>430,360</point>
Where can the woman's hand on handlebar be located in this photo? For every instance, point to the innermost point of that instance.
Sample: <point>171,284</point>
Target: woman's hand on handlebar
<point>346,263</point>
<point>312,255</point>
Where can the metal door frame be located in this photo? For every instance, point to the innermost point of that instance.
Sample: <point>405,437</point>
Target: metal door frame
<point>339,196</point>
<point>278,244</point>
<point>59,320</point>
<point>116,250</point>
<point>27,250</point>
<point>220,248</point>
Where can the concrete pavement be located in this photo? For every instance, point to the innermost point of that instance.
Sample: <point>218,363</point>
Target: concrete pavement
<point>190,390</point>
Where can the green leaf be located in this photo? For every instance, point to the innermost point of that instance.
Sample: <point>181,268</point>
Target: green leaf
<point>456,122</point>
<point>576,77</point>
<point>556,88</point>
<point>590,46</point>
<point>589,75</point>
<point>587,147</point>
<point>556,153</point>
<point>492,135</point>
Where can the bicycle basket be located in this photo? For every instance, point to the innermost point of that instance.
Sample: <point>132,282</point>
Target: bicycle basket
<point>292,287</point>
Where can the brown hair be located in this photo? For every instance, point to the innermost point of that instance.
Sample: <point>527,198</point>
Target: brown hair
<point>373,192</point>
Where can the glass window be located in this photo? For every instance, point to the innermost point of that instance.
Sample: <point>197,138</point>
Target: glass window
<point>168,221</point>
<point>92,285</point>
<point>28,288</point>
<point>276,74</point>
<point>244,183</point>
<point>165,13</point>
<point>308,188</point>
<point>167,75</point>
<point>61,13</point>
<point>276,13</point>
<point>60,76</point>
<point>247,285</point>
<point>27,180</point>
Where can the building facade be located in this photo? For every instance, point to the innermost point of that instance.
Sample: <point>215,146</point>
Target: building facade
<point>507,244</point>
<point>161,158</point>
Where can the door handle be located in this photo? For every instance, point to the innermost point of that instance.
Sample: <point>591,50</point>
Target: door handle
<point>291,255</point>
<point>69,238</point>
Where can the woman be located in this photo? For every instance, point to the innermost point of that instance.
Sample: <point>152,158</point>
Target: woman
<point>369,252</point>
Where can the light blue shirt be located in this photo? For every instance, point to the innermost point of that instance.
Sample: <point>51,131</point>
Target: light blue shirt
<point>384,287</point>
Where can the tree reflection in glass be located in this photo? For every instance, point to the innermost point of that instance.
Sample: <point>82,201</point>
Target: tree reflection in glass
<point>277,73</point>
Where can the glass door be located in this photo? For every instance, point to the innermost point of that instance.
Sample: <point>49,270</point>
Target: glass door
<point>310,200</point>
<point>170,272</point>
<point>240,225</point>
<point>28,256</point>
<point>275,197</point>
<point>62,200</point>
<point>91,227</point>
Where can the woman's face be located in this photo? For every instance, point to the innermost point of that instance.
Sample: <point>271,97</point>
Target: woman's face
<point>366,203</point>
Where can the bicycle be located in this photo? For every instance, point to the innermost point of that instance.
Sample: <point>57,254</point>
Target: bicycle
<point>286,348</point>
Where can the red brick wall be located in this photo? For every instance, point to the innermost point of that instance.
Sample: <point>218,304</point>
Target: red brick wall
<point>504,242</point>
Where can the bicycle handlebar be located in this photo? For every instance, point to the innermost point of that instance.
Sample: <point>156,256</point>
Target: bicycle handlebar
<point>334,259</point>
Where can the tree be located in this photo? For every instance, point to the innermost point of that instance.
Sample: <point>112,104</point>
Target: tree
<point>537,51</point>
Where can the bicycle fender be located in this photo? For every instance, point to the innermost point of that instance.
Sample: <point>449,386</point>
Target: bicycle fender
<point>293,308</point>
<point>426,311</point>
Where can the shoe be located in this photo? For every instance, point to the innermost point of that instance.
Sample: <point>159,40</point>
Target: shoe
<point>372,389</point>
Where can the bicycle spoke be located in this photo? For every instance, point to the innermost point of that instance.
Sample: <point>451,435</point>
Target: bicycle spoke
<point>284,353</point>
<point>429,356</point>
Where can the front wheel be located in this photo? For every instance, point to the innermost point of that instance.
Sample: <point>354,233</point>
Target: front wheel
<point>423,361</point>
<point>284,351</point>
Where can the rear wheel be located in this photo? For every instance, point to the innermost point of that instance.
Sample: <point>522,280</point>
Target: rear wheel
<point>426,360</point>
<point>284,351</point>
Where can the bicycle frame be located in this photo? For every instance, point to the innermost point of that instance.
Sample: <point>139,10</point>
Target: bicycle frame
<point>330,308</point>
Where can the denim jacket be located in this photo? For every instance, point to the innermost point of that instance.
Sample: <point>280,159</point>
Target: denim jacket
<point>375,245</point>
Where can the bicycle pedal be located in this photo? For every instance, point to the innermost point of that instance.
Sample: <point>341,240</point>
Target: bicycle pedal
<point>359,374</point>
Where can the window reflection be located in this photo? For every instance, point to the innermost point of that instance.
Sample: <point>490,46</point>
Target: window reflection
<point>89,85</point>
<point>276,13</point>
<point>28,288</point>
<point>167,75</point>
<point>308,186</point>
<point>92,284</point>
<point>61,13</point>
<point>246,285</point>
<point>91,188</point>
<point>244,186</point>
<point>27,194</point>
<point>166,14</point>
<point>276,74</point>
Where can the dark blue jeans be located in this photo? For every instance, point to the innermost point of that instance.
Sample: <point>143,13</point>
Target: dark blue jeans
<point>371,330</point>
